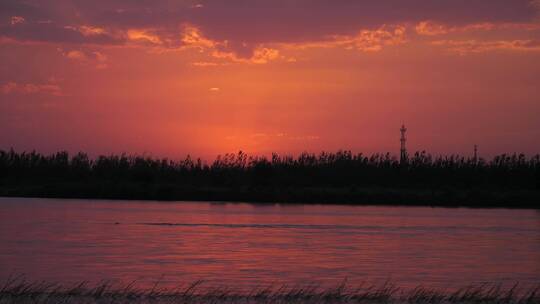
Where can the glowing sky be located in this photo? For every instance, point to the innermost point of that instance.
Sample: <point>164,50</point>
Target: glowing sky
<point>206,77</point>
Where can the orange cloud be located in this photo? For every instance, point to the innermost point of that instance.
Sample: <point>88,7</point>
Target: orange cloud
<point>91,30</point>
<point>431,28</point>
<point>87,57</point>
<point>479,45</point>
<point>263,55</point>
<point>364,41</point>
<point>485,26</point>
<point>192,37</point>
<point>143,36</point>
<point>76,55</point>
<point>204,64</point>
<point>375,40</point>
<point>463,47</point>
<point>101,59</point>
<point>520,26</point>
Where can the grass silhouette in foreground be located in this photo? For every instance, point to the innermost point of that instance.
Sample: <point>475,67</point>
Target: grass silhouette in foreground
<point>20,291</point>
<point>511,181</point>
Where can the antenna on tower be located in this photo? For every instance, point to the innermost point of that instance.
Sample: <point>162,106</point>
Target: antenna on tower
<point>475,159</point>
<point>403,150</point>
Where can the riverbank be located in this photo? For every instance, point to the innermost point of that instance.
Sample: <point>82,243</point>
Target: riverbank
<point>42,292</point>
<point>449,197</point>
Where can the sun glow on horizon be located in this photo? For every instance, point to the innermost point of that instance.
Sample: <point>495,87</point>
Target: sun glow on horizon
<point>149,79</point>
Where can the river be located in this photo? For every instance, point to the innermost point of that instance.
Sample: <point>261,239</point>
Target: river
<point>246,245</point>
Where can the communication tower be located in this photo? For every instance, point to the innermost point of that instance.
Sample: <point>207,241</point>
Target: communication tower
<point>403,151</point>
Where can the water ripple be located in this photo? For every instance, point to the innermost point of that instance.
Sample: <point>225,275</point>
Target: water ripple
<point>341,227</point>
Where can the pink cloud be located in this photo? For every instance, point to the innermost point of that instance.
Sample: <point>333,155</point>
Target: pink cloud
<point>31,88</point>
<point>9,87</point>
<point>17,19</point>
<point>87,30</point>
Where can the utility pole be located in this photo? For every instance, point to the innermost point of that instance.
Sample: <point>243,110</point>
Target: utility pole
<point>403,151</point>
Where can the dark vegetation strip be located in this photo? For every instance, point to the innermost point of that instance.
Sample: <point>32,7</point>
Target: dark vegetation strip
<point>511,181</point>
<point>21,291</point>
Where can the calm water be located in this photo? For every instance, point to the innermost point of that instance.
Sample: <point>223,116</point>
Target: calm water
<point>244,245</point>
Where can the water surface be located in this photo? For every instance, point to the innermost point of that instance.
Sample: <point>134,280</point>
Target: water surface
<point>246,245</point>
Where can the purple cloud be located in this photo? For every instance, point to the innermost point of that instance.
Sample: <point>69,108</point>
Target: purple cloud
<point>242,22</point>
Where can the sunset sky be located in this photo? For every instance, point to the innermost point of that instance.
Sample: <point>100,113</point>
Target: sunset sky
<point>207,77</point>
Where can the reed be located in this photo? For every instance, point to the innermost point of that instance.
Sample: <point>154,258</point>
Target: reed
<point>21,291</point>
<point>508,180</point>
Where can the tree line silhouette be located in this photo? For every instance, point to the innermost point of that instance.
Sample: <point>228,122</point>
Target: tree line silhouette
<point>279,177</point>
